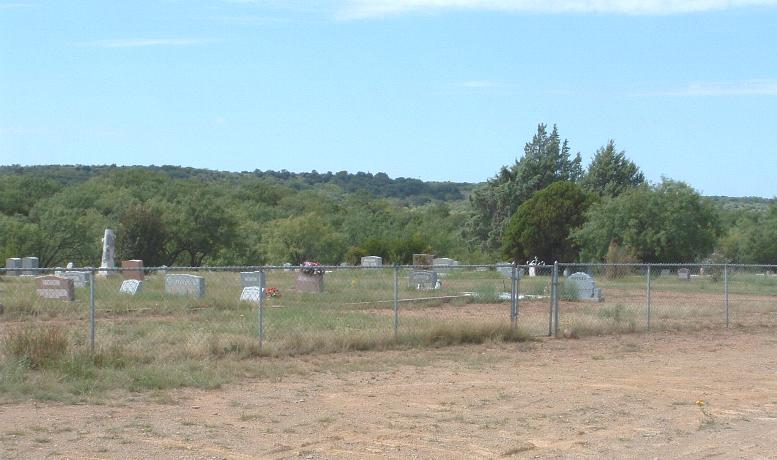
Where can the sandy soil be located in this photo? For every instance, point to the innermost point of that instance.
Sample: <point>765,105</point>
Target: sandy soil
<point>710,394</point>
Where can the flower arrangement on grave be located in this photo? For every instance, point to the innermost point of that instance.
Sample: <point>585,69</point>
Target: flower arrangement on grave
<point>312,268</point>
<point>272,292</point>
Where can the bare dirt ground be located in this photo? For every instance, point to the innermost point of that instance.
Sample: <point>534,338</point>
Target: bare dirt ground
<point>707,394</point>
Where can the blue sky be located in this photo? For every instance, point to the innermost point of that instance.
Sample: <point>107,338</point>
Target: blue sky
<point>432,89</point>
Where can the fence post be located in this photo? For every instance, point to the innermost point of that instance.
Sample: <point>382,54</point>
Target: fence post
<point>552,309</point>
<point>725,292</point>
<point>554,294</point>
<point>91,310</point>
<point>395,305</point>
<point>647,295</point>
<point>262,285</point>
<point>513,300</point>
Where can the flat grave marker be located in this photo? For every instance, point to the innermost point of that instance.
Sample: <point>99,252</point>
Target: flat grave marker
<point>131,287</point>
<point>251,294</point>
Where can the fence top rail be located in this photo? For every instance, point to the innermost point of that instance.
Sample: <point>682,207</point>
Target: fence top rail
<point>232,268</point>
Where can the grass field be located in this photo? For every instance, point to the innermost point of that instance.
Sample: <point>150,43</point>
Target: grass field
<point>155,342</point>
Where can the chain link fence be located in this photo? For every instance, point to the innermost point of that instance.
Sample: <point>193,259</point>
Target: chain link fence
<point>289,310</point>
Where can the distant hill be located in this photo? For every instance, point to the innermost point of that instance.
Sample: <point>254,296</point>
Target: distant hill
<point>379,184</point>
<point>745,204</point>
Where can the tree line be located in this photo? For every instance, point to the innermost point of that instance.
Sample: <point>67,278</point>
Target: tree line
<point>546,204</point>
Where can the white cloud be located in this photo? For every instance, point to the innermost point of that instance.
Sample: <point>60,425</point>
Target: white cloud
<point>358,9</point>
<point>143,42</point>
<point>741,88</point>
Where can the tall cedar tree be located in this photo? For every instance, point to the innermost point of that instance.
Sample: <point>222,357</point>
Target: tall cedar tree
<point>546,159</point>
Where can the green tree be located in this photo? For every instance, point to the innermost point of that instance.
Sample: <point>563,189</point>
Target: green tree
<point>541,226</point>
<point>667,223</point>
<point>611,173</point>
<point>758,239</point>
<point>200,226</point>
<point>546,159</point>
<point>304,238</point>
<point>142,234</point>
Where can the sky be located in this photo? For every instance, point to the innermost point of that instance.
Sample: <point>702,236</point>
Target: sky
<point>446,90</point>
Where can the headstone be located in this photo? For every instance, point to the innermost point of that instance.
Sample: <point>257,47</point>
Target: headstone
<point>586,287</point>
<point>162,270</point>
<point>372,261</point>
<point>189,285</point>
<point>444,263</point>
<point>132,270</point>
<point>684,274</point>
<point>249,279</point>
<point>566,272</point>
<point>287,267</point>
<point>251,294</point>
<point>309,282</point>
<point>423,260</point>
<point>29,262</point>
<point>505,268</point>
<point>665,272</point>
<point>423,280</point>
<point>55,287</point>
<point>70,265</point>
<point>131,287</point>
<point>109,250</point>
<point>13,265</point>
<point>80,278</point>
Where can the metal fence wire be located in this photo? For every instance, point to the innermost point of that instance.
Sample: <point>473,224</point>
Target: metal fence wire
<point>281,308</point>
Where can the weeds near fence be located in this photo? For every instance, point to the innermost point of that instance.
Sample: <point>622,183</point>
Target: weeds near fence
<point>55,363</point>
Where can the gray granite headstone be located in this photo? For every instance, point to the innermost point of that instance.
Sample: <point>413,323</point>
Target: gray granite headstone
<point>189,285</point>
<point>287,267</point>
<point>372,261</point>
<point>665,272</point>
<point>29,262</point>
<point>80,278</point>
<point>131,287</point>
<point>252,279</point>
<point>444,263</point>
<point>251,294</point>
<point>506,270</point>
<point>423,279</point>
<point>13,265</point>
<point>684,274</point>
<point>586,287</point>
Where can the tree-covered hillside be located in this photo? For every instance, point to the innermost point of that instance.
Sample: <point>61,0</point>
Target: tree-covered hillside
<point>185,216</point>
<point>546,204</point>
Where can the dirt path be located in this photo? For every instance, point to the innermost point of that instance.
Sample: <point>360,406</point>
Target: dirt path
<point>697,395</point>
